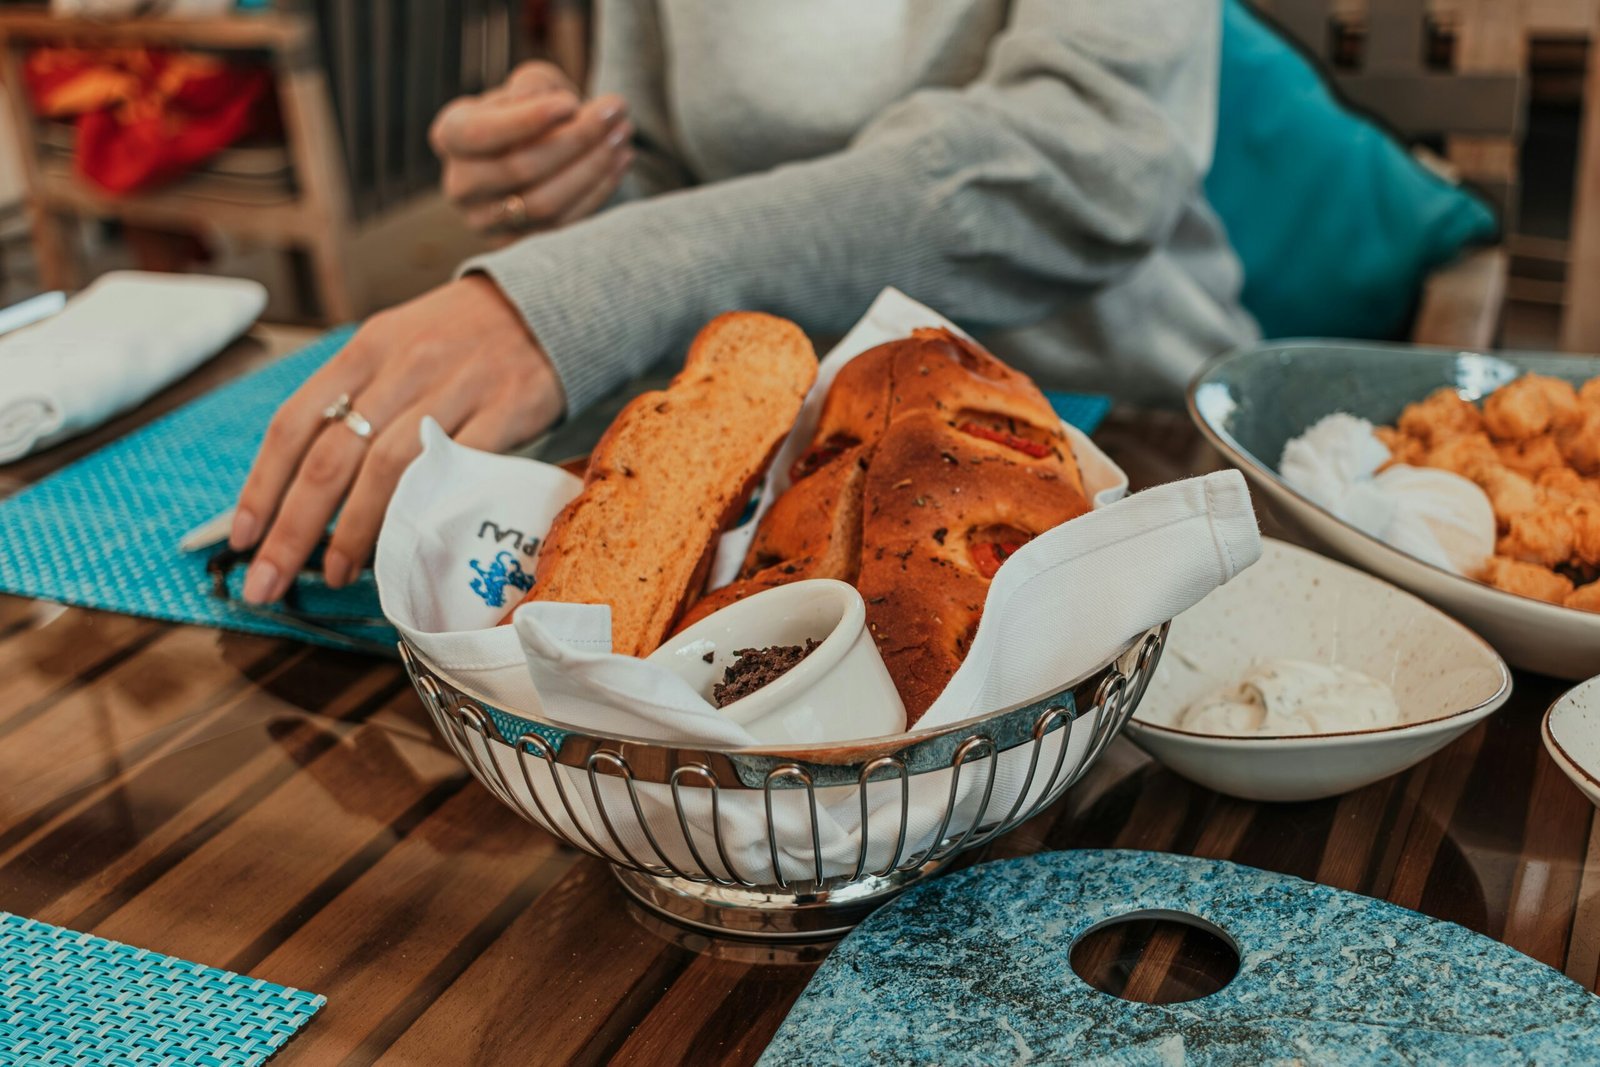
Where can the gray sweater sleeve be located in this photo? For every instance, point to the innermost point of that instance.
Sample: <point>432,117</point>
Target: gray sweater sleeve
<point>629,61</point>
<point>1066,162</point>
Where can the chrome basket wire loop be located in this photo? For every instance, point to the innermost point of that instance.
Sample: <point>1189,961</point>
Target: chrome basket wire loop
<point>646,808</point>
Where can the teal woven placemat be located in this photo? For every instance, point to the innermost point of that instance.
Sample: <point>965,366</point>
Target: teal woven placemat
<point>103,532</point>
<point>68,998</point>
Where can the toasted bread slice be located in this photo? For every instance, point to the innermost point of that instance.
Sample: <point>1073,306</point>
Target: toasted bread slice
<point>670,473</point>
<point>819,517</point>
<point>811,531</point>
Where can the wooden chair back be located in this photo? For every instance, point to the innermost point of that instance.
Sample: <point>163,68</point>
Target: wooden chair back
<point>1444,72</point>
<point>358,83</point>
<point>390,66</point>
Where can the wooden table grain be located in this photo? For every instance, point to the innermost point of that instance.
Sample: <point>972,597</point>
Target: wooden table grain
<point>286,812</point>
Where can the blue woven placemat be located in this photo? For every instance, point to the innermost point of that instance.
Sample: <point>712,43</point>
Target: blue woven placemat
<point>68,998</point>
<point>103,532</point>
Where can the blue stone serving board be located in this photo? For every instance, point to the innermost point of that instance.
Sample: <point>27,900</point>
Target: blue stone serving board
<point>973,969</point>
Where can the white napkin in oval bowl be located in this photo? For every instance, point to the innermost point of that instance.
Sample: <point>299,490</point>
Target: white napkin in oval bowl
<point>1435,515</point>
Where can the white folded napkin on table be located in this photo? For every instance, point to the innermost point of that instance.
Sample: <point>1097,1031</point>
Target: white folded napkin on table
<point>456,552</point>
<point>127,336</point>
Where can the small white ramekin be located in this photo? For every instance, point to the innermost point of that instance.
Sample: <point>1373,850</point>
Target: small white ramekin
<point>841,692</point>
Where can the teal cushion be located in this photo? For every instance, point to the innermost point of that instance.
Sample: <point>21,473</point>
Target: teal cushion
<point>1335,222</point>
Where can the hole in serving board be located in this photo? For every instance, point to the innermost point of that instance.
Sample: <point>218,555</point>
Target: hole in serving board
<point>1156,957</point>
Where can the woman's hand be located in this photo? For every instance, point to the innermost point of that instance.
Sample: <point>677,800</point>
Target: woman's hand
<point>460,354</point>
<point>529,155</point>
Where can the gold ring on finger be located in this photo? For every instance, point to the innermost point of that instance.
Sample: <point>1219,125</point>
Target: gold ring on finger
<point>512,212</point>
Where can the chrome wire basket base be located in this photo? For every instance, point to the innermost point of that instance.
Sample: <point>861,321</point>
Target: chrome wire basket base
<point>769,914</point>
<point>788,845</point>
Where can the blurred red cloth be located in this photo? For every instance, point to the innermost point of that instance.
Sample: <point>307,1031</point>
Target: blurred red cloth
<point>146,116</point>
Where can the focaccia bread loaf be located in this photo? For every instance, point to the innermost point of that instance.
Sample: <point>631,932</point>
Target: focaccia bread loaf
<point>996,469</point>
<point>934,533</point>
<point>934,370</point>
<point>669,475</point>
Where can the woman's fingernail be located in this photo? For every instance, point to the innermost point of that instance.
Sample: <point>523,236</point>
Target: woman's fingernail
<point>336,568</point>
<point>619,136</point>
<point>624,161</point>
<point>261,583</point>
<point>246,528</point>
<point>611,109</point>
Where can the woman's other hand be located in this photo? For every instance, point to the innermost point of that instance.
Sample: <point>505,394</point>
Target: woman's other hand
<point>531,155</point>
<point>460,354</point>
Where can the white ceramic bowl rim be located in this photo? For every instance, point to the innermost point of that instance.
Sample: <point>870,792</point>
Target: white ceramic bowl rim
<point>1225,441</point>
<point>1501,693</point>
<point>1567,757</point>
<point>1555,742</point>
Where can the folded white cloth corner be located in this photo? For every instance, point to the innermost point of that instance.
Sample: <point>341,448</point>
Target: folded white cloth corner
<point>1437,516</point>
<point>127,336</point>
<point>1066,602</point>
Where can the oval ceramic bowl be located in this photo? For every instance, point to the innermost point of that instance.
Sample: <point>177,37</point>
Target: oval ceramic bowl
<point>1572,735</point>
<point>1252,402</point>
<point>1296,604</point>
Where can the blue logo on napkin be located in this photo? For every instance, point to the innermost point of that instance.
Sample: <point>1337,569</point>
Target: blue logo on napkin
<point>503,570</point>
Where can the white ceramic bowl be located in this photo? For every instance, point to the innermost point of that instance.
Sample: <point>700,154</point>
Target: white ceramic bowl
<point>841,692</point>
<point>1296,604</point>
<point>1251,402</point>
<point>1572,735</point>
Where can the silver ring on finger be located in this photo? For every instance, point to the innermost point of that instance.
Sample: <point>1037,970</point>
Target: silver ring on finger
<point>341,411</point>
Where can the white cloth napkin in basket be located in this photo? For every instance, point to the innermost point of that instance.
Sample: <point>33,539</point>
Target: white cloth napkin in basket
<point>456,551</point>
<point>124,338</point>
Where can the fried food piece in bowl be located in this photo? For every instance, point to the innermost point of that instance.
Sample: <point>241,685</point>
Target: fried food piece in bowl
<point>1527,579</point>
<point>1567,484</point>
<point>1580,444</point>
<point>1531,405</point>
<point>1438,418</point>
<point>1584,598</point>
<point>1512,495</point>
<point>1402,448</point>
<point>1464,454</point>
<point>1555,534</point>
<point>1532,455</point>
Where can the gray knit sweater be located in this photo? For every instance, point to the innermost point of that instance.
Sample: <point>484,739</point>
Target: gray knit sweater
<point>1030,168</point>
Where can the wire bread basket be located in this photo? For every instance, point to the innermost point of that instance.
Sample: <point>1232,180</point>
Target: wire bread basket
<point>788,843</point>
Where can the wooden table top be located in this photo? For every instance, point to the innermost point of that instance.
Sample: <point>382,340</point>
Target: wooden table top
<point>286,812</point>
